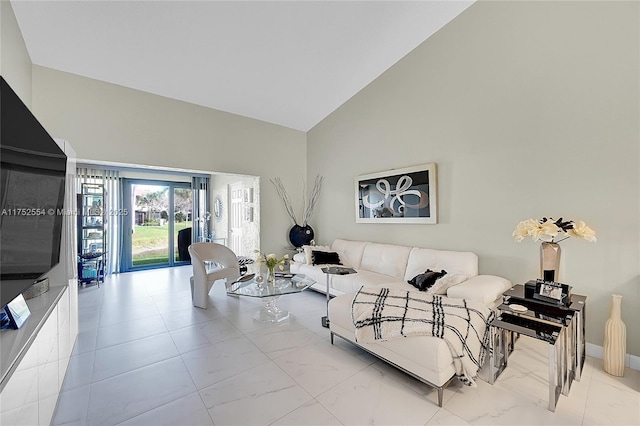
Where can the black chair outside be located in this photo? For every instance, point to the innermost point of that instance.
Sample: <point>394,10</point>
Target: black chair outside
<point>184,241</point>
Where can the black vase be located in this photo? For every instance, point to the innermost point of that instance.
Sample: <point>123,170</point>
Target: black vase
<point>300,235</point>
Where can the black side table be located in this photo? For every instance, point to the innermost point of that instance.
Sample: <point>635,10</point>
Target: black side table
<point>561,326</point>
<point>575,310</point>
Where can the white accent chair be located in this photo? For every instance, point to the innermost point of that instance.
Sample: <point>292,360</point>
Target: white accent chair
<point>202,256</point>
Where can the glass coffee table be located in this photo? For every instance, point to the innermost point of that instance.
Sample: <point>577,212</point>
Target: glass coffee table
<point>257,286</point>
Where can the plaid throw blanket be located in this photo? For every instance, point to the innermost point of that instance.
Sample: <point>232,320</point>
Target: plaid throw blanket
<point>383,314</point>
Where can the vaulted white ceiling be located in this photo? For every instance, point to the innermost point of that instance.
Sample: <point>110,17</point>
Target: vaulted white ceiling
<point>290,63</point>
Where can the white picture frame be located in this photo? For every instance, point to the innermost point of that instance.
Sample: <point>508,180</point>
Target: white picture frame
<point>248,214</point>
<point>407,195</point>
<point>248,195</point>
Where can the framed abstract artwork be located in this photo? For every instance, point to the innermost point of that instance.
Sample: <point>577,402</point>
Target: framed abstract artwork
<point>407,195</point>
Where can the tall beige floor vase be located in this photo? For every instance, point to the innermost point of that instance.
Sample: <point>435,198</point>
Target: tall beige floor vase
<point>615,339</point>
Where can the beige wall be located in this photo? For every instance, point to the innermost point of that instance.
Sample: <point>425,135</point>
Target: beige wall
<point>530,109</point>
<point>107,122</point>
<point>15,63</point>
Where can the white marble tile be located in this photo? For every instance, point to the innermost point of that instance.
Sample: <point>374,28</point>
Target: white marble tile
<point>528,369</point>
<point>123,397</point>
<point>497,405</point>
<point>307,312</point>
<point>221,302</point>
<point>302,302</point>
<point>219,361</point>
<point>611,402</point>
<point>233,305</point>
<point>243,321</point>
<point>175,284</point>
<point>185,411</point>
<point>72,407</point>
<point>258,396</point>
<point>319,367</point>
<point>119,359</point>
<point>352,349</point>
<point>121,333</point>
<point>372,397</point>
<point>46,409</point>
<point>90,297</point>
<point>426,391</point>
<point>576,402</point>
<point>312,320</point>
<point>528,373</point>
<point>173,302</point>
<point>188,317</point>
<point>79,372</point>
<point>629,382</point>
<point>588,367</point>
<point>85,342</point>
<point>125,295</point>
<point>310,414</point>
<point>27,415</point>
<point>445,417</point>
<point>88,318</point>
<point>194,337</point>
<point>282,366</point>
<point>278,341</point>
<point>307,318</point>
<point>121,314</point>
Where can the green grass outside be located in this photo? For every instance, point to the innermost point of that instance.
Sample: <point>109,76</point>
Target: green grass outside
<point>150,259</point>
<point>149,243</point>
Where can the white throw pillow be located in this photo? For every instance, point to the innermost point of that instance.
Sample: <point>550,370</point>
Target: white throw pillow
<point>300,257</point>
<point>481,288</point>
<point>309,249</point>
<point>443,284</point>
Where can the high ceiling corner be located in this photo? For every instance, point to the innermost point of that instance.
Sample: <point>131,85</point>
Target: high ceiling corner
<point>290,63</point>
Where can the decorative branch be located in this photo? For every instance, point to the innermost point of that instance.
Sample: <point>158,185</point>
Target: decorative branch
<point>313,199</point>
<point>309,205</point>
<point>282,192</point>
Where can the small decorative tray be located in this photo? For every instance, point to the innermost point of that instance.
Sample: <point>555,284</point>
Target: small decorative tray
<point>518,308</point>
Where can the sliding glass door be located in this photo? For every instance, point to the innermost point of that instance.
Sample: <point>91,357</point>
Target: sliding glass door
<point>157,229</point>
<point>182,220</point>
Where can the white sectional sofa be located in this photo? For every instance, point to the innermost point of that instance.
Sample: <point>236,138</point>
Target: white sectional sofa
<point>385,265</point>
<point>389,265</point>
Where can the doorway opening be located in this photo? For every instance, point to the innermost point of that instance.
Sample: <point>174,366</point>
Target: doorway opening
<point>235,215</point>
<point>163,211</point>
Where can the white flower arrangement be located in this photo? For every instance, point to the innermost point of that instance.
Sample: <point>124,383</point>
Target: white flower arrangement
<point>549,230</point>
<point>271,261</point>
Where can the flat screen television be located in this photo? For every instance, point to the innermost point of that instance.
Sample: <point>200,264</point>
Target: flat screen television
<point>32,185</point>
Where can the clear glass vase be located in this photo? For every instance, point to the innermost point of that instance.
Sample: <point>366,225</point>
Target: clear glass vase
<point>271,276</point>
<point>550,261</point>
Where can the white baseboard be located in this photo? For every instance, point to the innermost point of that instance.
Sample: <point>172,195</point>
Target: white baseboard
<point>631,361</point>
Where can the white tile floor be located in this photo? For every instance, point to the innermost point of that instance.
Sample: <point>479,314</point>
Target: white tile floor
<point>145,356</point>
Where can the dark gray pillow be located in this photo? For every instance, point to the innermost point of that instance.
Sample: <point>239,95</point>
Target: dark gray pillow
<point>424,282</point>
<point>325,258</point>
